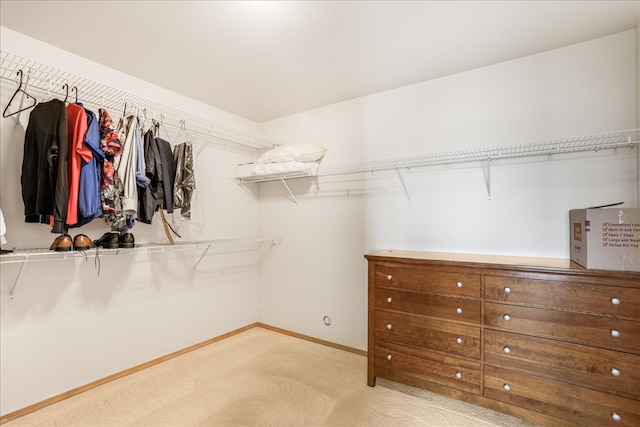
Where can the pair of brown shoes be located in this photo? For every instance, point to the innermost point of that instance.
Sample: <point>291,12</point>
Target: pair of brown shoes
<point>64,243</point>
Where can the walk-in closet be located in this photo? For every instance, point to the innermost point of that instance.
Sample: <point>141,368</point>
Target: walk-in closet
<point>319,213</point>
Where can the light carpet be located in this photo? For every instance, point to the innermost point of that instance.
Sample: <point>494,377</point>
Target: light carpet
<point>261,378</point>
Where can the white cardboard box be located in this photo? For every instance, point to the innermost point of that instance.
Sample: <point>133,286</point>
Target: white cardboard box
<point>605,238</point>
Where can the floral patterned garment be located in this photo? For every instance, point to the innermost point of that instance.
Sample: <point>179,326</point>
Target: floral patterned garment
<point>109,187</point>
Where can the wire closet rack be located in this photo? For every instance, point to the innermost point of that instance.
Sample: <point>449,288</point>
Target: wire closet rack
<point>619,139</point>
<point>597,142</point>
<point>49,80</point>
<point>262,247</point>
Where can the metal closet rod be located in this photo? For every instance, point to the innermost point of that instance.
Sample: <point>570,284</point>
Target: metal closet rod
<point>50,82</point>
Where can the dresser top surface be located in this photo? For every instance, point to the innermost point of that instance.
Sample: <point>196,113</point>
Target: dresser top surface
<point>491,260</point>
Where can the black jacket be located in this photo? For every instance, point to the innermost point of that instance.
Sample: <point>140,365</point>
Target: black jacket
<point>160,168</point>
<point>45,185</point>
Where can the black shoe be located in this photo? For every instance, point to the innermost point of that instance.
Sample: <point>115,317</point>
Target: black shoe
<point>127,240</point>
<point>107,241</point>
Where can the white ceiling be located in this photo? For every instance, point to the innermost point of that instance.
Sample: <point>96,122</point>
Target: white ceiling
<point>268,59</point>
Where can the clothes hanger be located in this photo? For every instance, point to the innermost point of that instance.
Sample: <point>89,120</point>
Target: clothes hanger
<point>18,90</point>
<point>183,134</point>
<point>144,118</point>
<point>156,127</point>
<point>76,89</point>
<point>66,91</point>
<point>48,95</point>
<point>161,125</point>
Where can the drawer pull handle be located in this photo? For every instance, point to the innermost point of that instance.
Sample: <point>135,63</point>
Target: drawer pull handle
<point>506,350</point>
<point>389,277</point>
<point>615,372</point>
<point>506,387</point>
<point>615,333</point>
<point>389,357</point>
<point>615,301</point>
<point>459,310</point>
<point>459,284</point>
<point>458,375</point>
<point>389,326</point>
<point>458,340</point>
<point>616,417</point>
<point>506,317</point>
<point>507,290</point>
<point>389,299</point>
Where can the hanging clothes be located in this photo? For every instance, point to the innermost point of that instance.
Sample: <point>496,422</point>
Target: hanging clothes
<point>126,168</point>
<point>89,203</point>
<point>185,182</point>
<point>160,169</point>
<point>111,146</point>
<point>110,185</point>
<point>78,152</point>
<point>44,179</point>
<point>141,177</point>
<point>167,175</point>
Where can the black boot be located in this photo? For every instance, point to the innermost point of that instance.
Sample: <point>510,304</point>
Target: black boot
<point>127,240</point>
<point>107,241</point>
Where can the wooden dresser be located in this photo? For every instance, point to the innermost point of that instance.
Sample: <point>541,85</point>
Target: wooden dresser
<point>542,339</point>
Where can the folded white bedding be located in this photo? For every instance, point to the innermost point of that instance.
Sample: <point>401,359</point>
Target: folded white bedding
<point>249,170</point>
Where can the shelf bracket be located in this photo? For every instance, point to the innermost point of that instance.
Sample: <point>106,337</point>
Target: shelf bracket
<point>202,256</point>
<point>488,179</point>
<point>404,187</point>
<point>15,284</point>
<point>267,253</point>
<point>293,198</point>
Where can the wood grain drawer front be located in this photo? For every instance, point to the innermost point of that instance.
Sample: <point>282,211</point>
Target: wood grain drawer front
<point>605,370</point>
<point>434,367</point>
<point>465,310</point>
<point>460,284</point>
<point>427,333</point>
<point>601,331</point>
<point>565,401</point>
<point>601,300</point>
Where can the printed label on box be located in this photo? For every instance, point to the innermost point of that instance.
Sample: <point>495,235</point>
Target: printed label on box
<point>577,231</point>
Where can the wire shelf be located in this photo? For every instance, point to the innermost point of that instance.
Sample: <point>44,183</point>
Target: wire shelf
<point>48,80</point>
<point>264,247</point>
<point>626,138</point>
<point>223,246</point>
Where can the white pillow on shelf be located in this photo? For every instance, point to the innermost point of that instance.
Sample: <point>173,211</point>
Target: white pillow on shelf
<point>301,152</point>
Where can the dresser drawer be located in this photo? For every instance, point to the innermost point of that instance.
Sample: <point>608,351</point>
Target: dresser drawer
<point>596,299</point>
<point>432,334</point>
<point>426,280</point>
<point>565,401</point>
<point>605,370</point>
<point>465,310</point>
<point>433,367</point>
<point>602,331</point>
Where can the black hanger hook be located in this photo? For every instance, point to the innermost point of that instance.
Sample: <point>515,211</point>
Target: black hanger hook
<point>19,90</point>
<point>66,91</point>
<point>76,89</point>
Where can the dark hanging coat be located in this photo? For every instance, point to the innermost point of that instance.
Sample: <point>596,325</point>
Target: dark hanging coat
<point>160,168</point>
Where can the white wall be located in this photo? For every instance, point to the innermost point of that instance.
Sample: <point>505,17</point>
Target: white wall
<point>66,326</point>
<point>578,90</point>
